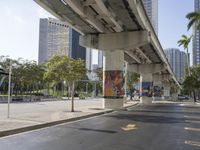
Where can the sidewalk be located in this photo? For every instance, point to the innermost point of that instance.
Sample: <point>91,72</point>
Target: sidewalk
<point>33,115</point>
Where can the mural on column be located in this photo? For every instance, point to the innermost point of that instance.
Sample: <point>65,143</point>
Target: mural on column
<point>146,88</point>
<point>114,83</point>
<point>158,91</point>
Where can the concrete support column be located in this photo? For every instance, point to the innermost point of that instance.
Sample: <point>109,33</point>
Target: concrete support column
<point>146,88</point>
<point>146,72</point>
<point>125,80</point>
<point>157,87</point>
<point>166,91</point>
<point>113,79</point>
<point>174,93</point>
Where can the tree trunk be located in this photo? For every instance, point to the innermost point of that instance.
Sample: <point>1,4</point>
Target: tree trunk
<point>68,93</point>
<point>189,73</point>
<point>194,95</point>
<point>48,91</point>
<point>72,106</point>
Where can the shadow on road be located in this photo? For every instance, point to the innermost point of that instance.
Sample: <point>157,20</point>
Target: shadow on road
<point>165,111</point>
<point>148,118</point>
<point>98,130</point>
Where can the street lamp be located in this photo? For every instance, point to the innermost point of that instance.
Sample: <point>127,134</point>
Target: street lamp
<point>86,88</point>
<point>9,88</point>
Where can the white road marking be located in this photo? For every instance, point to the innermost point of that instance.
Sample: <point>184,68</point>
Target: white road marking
<point>193,143</point>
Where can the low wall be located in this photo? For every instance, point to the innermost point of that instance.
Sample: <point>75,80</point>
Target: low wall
<point>4,99</point>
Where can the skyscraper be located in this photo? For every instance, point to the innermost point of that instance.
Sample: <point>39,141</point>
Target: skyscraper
<point>100,59</point>
<point>151,7</point>
<point>56,38</point>
<point>75,50</point>
<point>196,40</point>
<point>178,61</point>
<point>89,59</point>
<point>53,39</point>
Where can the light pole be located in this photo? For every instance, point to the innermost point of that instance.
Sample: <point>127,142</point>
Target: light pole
<point>125,84</point>
<point>198,89</point>
<point>9,89</point>
<point>86,88</point>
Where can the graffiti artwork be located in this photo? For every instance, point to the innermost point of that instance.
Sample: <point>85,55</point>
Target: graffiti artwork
<point>158,91</point>
<point>114,82</point>
<point>146,89</point>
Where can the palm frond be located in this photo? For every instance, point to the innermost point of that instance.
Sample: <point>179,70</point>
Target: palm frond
<point>191,15</point>
<point>194,18</point>
<point>184,41</point>
<point>190,24</point>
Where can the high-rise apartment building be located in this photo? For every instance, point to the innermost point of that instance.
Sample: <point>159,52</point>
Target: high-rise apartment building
<point>89,59</point>
<point>196,40</point>
<point>56,38</point>
<point>53,39</point>
<point>100,59</point>
<point>75,50</point>
<point>178,62</point>
<point>151,7</point>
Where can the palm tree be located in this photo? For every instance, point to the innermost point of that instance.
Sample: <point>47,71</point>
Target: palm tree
<point>194,18</point>
<point>184,41</point>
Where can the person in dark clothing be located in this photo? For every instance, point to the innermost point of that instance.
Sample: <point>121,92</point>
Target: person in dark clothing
<point>132,93</point>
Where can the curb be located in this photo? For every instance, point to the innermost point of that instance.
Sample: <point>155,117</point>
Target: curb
<point>126,108</point>
<point>49,124</point>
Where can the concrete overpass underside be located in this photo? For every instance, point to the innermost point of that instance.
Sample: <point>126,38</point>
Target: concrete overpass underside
<point>123,30</point>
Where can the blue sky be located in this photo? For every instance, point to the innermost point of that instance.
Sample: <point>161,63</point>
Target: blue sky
<point>19,25</point>
<point>172,22</point>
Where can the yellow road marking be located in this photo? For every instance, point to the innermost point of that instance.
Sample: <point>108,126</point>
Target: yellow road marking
<point>193,143</point>
<point>192,129</point>
<point>129,127</point>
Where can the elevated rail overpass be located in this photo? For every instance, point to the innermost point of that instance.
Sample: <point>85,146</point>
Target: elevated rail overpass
<point>122,29</point>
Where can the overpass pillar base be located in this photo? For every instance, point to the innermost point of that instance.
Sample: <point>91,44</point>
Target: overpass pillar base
<point>167,93</point>
<point>113,103</point>
<point>146,88</point>
<point>113,79</point>
<point>146,100</point>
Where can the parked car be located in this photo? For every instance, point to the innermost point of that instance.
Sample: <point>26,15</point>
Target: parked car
<point>183,97</point>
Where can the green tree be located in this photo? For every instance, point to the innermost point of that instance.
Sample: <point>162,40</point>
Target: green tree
<point>194,19</point>
<point>189,83</point>
<point>26,75</point>
<point>196,75</point>
<point>63,68</point>
<point>99,73</point>
<point>76,72</point>
<point>184,41</point>
<point>132,78</point>
<point>99,85</point>
<point>192,82</point>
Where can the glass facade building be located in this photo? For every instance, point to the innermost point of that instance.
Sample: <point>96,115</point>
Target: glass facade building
<point>178,62</point>
<point>53,39</point>
<point>151,7</point>
<point>196,40</point>
<point>56,38</point>
<point>75,50</point>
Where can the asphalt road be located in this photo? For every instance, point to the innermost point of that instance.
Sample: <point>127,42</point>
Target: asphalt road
<point>156,127</point>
